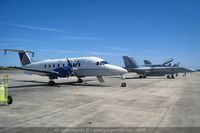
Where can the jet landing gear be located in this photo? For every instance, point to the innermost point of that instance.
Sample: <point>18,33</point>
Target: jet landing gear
<point>123,84</point>
<point>170,77</point>
<point>142,76</point>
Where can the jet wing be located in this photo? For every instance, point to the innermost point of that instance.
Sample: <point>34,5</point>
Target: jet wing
<point>168,70</point>
<point>36,70</point>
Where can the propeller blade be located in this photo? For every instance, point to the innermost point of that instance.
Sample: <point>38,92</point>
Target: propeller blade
<point>69,63</point>
<point>75,73</point>
<point>76,63</point>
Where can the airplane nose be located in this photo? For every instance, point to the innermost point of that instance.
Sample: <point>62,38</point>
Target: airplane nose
<point>117,70</point>
<point>191,70</point>
<point>122,70</point>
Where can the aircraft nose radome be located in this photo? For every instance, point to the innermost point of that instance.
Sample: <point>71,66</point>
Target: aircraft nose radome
<point>123,70</point>
<point>191,70</point>
<point>118,70</point>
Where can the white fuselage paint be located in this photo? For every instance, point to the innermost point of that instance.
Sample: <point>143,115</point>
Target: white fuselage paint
<point>88,66</point>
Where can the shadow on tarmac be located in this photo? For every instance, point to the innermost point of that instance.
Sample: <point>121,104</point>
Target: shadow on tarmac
<point>40,84</point>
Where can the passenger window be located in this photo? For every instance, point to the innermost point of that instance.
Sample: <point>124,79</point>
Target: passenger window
<point>79,64</point>
<point>58,65</point>
<point>74,64</point>
<point>63,65</point>
<point>45,66</point>
<point>49,65</point>
<point>53,65</point>
<point>97,63</point>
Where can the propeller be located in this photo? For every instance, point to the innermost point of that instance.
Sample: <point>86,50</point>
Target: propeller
<point>73,67</point>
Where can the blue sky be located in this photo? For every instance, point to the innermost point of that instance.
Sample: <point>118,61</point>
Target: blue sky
<point>145,29</point>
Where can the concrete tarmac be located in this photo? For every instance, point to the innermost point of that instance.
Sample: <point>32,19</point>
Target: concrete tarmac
<point>151,102</point>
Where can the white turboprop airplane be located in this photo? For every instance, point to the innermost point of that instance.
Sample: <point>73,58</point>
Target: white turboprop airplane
<point>63,68</point>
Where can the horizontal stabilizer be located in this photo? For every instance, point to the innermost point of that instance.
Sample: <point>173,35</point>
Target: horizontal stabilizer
<point>18,51</point>
<point>23,55</point>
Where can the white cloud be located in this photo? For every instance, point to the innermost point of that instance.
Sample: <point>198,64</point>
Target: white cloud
<point>118,49</point>
<point>150,51</point>
<point>95,53</point>
<point>58,51</point>
<point>33,27</point>
<point>78,38</point>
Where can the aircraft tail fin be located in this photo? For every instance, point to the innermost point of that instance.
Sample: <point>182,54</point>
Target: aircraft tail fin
<point>23,55</point>
<point>168,61</point>
<point>177,64</point>
<point>130,62</point>
<point>147,62</point>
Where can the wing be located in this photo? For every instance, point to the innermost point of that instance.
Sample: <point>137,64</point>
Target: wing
<point>48,73</point>
<point>168,70</point>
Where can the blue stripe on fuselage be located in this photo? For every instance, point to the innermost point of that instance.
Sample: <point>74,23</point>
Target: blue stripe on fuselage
<point>63,71</point>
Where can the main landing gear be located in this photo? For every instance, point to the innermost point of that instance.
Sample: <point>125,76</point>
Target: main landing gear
<point>142,76</point>
<point>170,77</point>
<point>80,80</point>
<point>51,83</point>
<point>123,84</point>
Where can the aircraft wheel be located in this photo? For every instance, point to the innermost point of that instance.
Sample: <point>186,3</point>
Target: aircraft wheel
<point>51,83</point>
<point>140,76</point>
<point>80,81</point>
<point>123,84</point>
<point>172,77</point>
<point>10,100</point>
<point>168,77</point>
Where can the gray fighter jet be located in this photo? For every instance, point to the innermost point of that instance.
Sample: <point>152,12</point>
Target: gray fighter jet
<point>144,71</point>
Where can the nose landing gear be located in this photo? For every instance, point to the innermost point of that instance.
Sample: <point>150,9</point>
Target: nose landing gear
<point>123,84</point>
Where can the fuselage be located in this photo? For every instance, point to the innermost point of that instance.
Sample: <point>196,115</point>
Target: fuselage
<point>160,71</point>
<point>85,66</point>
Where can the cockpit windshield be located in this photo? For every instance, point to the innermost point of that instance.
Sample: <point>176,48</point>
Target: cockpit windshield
<point>102,63</point>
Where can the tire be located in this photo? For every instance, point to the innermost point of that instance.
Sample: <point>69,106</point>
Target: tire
<point>80,81</point>
<point>10,100</point>
<point>140,76</point>
<point>123,84</point>
<point>51,83</point>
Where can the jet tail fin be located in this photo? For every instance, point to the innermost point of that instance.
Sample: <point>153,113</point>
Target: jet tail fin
<point>23,55</point>
<point>177,64</point>
<point>168,61</point>
<point>130,62</point>
<point>147,62</point>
